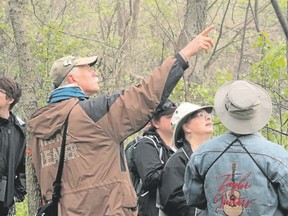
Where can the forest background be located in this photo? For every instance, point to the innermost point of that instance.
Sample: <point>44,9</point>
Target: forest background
<point>134,36</point>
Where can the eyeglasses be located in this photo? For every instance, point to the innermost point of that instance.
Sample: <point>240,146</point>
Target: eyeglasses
<point>167,106</point>
<point>203,115</point>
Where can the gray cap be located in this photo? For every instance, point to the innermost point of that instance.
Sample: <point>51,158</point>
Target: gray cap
<point>63,66</point>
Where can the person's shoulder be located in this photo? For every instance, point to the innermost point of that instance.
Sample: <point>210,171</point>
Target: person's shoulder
<point>276,146</point>
<point>148,138</point>
<point>102,98</point>
<point>259,139</point>
<point>21,122</point>
<point>96,107</point>
<point>146,142</point>
<point>179,155</point>
<point>133,142</point>
<point>18,120</point>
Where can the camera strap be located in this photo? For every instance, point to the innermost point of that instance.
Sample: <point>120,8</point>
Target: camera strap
<point>57,182</point>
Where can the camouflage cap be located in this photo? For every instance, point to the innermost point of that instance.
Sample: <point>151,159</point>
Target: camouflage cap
<point>63,66</point>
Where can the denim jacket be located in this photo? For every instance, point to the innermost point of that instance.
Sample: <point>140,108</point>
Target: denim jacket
<point>234,183</point>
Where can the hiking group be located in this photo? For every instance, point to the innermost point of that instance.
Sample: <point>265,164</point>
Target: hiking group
<point>237,173</point>
<point>174,168</point>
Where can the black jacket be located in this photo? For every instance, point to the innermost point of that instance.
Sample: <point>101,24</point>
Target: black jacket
<point>171,194</point>
<point>149,168</point>
<point>12,135</point>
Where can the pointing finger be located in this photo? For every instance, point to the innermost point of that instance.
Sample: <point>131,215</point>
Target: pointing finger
<point>207,30</point>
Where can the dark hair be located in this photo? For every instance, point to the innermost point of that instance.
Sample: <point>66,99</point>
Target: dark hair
<point>167,108</point>
<point>180,137</point>
<point>12,90</point>
<point>164,109</point>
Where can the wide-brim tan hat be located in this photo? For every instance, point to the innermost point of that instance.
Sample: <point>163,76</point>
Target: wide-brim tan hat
<point>181,114</point>
<point>63,66</point>
<point>242,106</point>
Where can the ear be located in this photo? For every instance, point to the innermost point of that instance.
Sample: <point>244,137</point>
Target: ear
<point>155,123</point>
<point>10,100</point>
<point>71,78</point>
<point>186,128</point>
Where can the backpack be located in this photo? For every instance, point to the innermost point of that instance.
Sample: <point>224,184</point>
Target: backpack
<point>129,152</point>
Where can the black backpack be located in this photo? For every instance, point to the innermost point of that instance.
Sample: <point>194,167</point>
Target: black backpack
<point>129,152</point>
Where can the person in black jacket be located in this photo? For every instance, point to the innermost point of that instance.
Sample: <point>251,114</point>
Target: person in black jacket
<point>192,126</point>
<point>12,148</point>
<point>149,160</point>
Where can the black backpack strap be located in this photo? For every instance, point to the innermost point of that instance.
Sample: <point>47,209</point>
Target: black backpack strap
<point>237,139</point>
<point>132,143</point>
<point>254,160</point>
<point>222,154</point>
<point>57,182</point>
<point>159,150</point>
<point>186,155</point>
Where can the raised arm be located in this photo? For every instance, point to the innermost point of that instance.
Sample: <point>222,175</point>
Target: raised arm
<point>200,42</point>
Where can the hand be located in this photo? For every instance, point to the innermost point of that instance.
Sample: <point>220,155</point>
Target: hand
<point>200,42</point>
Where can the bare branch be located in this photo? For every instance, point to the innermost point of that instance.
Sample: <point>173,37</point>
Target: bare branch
<point>220,33</point>
<point>280,132</point>
<point>211,6</point>
<point>243,40</point>
<point>212,57</point>
<point>280,16</point>
<point>255,15</point>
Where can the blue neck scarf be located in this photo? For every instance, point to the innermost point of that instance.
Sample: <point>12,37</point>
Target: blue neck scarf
<point>65,93</point>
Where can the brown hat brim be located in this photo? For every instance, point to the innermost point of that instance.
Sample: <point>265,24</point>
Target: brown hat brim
<point>87,61</point>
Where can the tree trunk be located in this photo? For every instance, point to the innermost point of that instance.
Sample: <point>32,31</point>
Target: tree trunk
<point>128,25</point>
<point>17,10</point>
<point>194,22</point>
